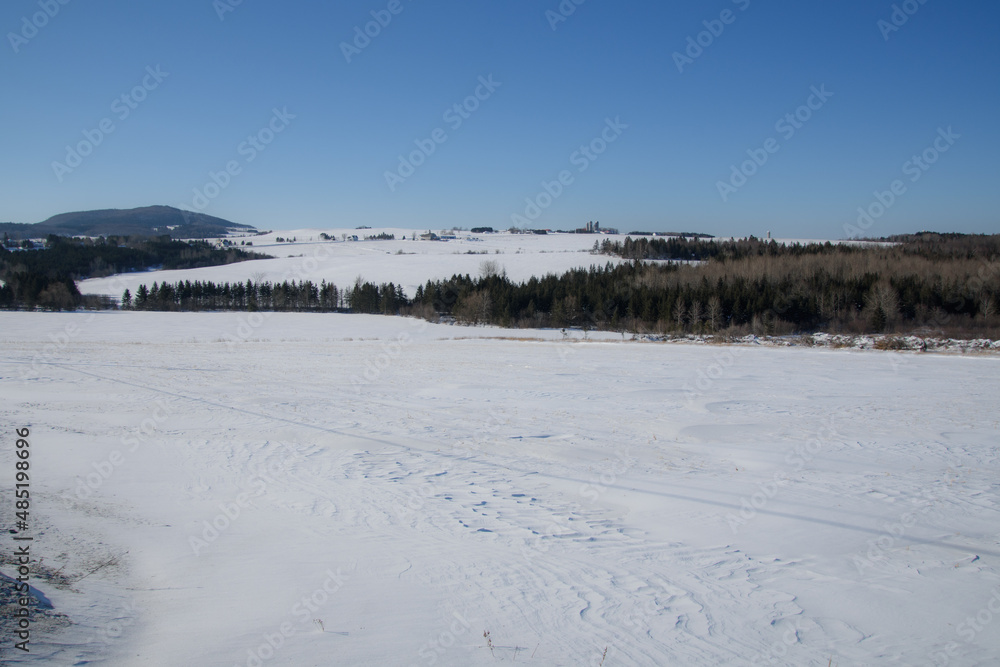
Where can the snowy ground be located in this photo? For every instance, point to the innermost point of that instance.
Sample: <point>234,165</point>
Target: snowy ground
<point>404,261</point>
<point>352,490</point>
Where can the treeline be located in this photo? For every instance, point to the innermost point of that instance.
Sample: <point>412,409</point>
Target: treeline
<point>764,289</point>
<point>95,258</point>
<point>286,296</point>
<point>949,285</point>
<point>47,277</point>
<point>695,249</point>
<point>930,245</point>
<point>27,289</point>
<point>946,284</point>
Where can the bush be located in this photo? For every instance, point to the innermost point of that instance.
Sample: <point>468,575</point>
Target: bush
<point>891,343</point>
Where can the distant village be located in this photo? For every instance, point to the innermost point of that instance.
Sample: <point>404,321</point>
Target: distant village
<point>589,228</point>
<point>592,227</point>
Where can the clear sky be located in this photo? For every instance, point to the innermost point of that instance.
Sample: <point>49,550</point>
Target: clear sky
<point>309,128</point>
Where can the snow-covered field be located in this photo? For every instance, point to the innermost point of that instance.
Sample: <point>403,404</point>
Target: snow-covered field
<point>353,490</point>
<point>405,261</point>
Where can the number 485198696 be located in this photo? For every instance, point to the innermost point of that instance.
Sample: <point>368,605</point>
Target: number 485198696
<point>22,487</point>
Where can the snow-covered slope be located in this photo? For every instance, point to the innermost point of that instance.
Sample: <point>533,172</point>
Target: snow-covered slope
<point>404,261</point>
<point>352,490</point>
<point>408,260</point>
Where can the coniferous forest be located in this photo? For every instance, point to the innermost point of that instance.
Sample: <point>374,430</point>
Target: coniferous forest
<point>46,277</point>
<point>286,296</point>
<point>943,283</point>
<point>948,285</point>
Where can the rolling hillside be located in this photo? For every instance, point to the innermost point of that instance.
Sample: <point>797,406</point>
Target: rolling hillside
<point>145,221</point>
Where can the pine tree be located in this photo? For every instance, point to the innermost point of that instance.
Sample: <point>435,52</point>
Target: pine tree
<point>142,297</point>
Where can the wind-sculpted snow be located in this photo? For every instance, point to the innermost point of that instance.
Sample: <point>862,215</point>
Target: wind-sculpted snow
<point>263,502</point>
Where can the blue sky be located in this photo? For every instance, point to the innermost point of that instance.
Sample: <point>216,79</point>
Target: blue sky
<point>664,135</point>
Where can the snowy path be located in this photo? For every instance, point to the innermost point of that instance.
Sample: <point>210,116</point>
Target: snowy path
<point>675,504</point>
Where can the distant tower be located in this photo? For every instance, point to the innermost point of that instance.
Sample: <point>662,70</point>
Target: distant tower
<point>597,226</point>
<point>769,236</point>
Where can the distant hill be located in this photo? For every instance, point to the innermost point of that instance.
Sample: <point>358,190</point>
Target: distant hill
<point>146,221</point>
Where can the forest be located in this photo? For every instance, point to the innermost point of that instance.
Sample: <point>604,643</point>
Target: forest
<point>46,277</point>
<point>286,296</point>
<point>948,284</point>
